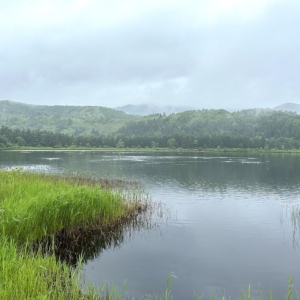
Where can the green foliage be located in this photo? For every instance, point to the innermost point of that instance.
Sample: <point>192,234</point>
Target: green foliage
<point>24,275</point>
<point>71,120</point>
<point>20,141</point>
<point>36,205</point>
<point>33,206</point>
<point>171,143</point>
<point>120,144</point>
<point>154,145</point>
<point>16,138</point>
<point>251,123</point>
<point>99,127</point>
<point>3,140</point>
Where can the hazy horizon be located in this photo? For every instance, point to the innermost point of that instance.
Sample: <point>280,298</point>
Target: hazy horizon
<point>155,107</point>
<point>222,54</point>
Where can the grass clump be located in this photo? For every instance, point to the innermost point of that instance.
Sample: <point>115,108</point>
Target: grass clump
<point>35,205</point>
<point>24,275</point>
<point>45,217</point>
<point>37,208</point>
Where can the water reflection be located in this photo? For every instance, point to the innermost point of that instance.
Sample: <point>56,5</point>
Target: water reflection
<point>230,223</point>
<point>290,215</point>
<point>30,167</point>
<point>88,242</point>
<point>295,219</point>
<point>277,172</point>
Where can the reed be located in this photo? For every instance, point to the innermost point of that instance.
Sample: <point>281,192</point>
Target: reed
<point>35,208</point>
<point>24,275</point>
<point>172,280</point>
<point>36,205</point>
<point>39,211</point>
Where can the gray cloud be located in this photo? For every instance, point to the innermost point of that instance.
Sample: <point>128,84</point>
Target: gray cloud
<point>224,55</point>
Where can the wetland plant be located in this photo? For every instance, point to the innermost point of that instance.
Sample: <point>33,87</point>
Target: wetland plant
<point>40,215</point>
<point>48,225</point>
<point>36,205</point>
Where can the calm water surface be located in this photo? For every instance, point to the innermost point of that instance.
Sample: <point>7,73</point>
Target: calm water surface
<point>229,223</point>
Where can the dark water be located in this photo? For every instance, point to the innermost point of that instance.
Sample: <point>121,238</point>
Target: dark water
<point>229,221</point>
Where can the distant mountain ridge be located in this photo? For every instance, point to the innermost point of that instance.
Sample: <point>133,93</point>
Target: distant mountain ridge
<point>253,123</point>
<point>293,107</point>
<point>74,120</point>
<point>149,109</point>
<point>97,121</point>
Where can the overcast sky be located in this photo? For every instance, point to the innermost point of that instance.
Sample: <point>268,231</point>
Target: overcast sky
<point>230,54</point>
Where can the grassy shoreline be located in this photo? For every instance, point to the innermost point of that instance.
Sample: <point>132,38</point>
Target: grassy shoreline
<point>41,214</point>
<point>200,150</point>
<point>35,208</point>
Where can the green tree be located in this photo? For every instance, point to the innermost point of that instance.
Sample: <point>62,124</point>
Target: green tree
<point>171,143</point>
<point>3,140</point>
<point>120,144</point>
<point>20,141</point>
<point>154,145</point>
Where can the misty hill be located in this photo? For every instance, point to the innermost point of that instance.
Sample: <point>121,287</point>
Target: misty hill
<point>289,107</point>
<point>148,109</point>
<point>104,127</point>
<point>96,121</point>
<point>76,120</point>
<point>265,123</point>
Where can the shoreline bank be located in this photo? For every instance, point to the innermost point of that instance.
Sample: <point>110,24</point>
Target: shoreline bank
<point>130,150</point>
<point>45,223</point>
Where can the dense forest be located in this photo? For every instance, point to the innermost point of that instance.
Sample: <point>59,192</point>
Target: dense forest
<point>198,129</point>
<point>35,138</point>
<point>72,120</point>
<point>253,123</point>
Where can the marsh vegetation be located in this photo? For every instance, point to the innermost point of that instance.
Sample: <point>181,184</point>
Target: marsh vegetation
<point>50,224</point>
<point>48,261</point>
<point>98,127</point>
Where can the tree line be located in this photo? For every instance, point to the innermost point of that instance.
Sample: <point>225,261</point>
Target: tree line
<point>35,138</point>
<point>250,123</point>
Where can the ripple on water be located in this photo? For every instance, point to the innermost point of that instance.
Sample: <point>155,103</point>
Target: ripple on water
<point>51,158</point>
<point>36,167</point>
<point>119,158</point>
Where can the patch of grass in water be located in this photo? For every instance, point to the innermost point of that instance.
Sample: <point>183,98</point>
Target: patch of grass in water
<point>37,212</point>
<point>36,205</point>
<point>37,208</point>
<point>25,275</point>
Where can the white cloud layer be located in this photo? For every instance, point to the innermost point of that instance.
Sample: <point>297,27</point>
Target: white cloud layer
<point>230,54</point>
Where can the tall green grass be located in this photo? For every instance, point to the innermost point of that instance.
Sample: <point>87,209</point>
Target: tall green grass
<point>35,205</point>
<point>24,275</point>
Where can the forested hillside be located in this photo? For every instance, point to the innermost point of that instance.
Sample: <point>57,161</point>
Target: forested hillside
<point>68,126</point>
<point>293,107</point>
<point>148,109</point>
<point>10,138</point>
<point>73,120</point>
<point>252,123</point>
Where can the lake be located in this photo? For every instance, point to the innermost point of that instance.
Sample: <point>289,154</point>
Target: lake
<point>228,220</point>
